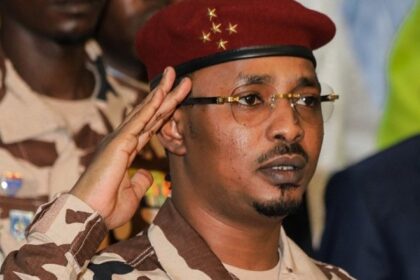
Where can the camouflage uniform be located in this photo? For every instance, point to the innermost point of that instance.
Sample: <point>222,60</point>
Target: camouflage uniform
<point>63,240</point>
<point>38,143</point>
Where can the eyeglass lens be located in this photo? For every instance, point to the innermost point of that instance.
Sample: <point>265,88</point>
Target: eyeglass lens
<point>256,102</point>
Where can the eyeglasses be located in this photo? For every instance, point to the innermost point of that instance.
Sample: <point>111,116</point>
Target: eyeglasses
<point>251,104</point>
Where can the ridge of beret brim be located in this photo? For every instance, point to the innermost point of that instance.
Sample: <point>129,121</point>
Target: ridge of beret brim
<point>238,54</point>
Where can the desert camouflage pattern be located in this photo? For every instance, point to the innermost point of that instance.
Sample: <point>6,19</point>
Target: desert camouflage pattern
<point>39,144</point>
<point>65,234</point>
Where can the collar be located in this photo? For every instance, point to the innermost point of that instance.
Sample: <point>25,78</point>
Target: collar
<point>295,263</point>
<point>185,255</point>
<point>24,115</point>
<point>180,249</point>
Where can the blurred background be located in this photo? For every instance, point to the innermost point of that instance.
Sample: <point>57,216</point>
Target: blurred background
<point>360,63</point>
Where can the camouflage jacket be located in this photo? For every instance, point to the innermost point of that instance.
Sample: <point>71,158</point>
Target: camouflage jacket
<point>66,232</point>
<point>48,152</point>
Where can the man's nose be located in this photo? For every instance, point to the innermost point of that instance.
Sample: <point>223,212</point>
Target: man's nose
<point>285,123</point>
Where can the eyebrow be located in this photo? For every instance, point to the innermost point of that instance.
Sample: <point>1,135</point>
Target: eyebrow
<point>305,81</point>
<point>245,79</point>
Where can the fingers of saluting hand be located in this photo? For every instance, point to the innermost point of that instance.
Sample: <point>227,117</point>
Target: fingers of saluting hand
<point>160,104</point>
<point>167,108</point>
<point>164,85</point>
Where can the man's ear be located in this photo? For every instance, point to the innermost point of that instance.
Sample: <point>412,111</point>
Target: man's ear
<point>171,135</point>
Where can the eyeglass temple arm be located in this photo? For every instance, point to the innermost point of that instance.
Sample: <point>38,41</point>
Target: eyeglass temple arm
<point>208,100</point>
<point>329,98</point>
<point>323,98</point>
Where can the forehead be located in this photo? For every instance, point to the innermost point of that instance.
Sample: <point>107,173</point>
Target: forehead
<point>279,71</point>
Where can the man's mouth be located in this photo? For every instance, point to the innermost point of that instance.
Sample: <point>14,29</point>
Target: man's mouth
<point>284,170</point>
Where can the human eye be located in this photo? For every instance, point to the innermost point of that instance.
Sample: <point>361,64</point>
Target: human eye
<point>309,101</point>
<point>250,99</point>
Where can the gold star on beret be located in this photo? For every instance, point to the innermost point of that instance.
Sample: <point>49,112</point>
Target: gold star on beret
<point>233,28</point>
<point>222,44</point>
<point>216,28</point>
<point>205,37</point>
<point>211,13</point>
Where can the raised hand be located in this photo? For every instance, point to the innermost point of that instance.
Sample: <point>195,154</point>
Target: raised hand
<point>105,185</point>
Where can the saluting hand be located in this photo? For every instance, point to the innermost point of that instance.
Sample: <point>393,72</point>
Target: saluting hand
<point>105,185</point>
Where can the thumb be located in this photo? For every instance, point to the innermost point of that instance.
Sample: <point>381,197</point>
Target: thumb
<point>140,182</point>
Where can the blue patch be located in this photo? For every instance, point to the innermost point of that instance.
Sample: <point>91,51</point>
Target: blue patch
<point>19,221</point>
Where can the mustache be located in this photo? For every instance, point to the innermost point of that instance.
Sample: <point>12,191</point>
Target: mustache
<point>283,149</point>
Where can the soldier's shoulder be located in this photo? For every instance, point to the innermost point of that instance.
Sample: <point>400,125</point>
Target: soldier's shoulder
<point>126,256</point>
<point>333,272</point>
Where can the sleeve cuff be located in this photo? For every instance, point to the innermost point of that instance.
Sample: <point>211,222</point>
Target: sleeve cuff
<point>70,223</point>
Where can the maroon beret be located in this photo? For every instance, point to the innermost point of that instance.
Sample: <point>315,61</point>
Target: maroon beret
<point>194,34</point>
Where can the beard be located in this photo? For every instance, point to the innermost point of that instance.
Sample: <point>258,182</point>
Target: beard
<point>279,207</point>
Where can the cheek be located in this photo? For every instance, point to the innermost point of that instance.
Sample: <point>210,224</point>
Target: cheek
<point>215,152</point>
<point>224,142</point>
<point>236,147</point>
<point>313,142</point>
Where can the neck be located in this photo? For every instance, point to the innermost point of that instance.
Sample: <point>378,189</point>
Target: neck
<point>244,245</point>
<point>48,67</point>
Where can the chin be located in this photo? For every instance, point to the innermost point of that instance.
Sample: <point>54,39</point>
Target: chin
<point>281,207</point>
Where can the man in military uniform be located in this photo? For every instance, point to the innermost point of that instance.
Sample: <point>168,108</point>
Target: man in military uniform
<point>56,104</point>
<point>242,148</point>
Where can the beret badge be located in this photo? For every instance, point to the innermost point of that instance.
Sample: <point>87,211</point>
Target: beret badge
<point>217,32</point>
